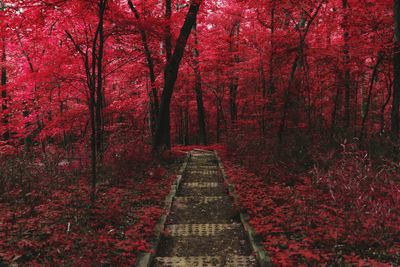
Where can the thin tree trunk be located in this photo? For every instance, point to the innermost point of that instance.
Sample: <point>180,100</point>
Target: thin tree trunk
<point>298,59</point>
<point>168,42</point>
<point>387,101</point>
<point>271,86</point>
<point>287,98</point>
<point>233,86</point>
<point>6,134</point>
<point>94,77</point>
<point>100,98</point>
<point>93,134</point>
<point>336,107</point>
<point>218,125</point>
<point>153,97</point>
<point>264,95</point>
<point>186,137</point>
<point>347,110</point>
<point>199,92</point>
<point>371,86</point>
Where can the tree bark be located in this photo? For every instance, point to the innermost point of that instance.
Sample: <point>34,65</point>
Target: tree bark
<point>396,77</point>
<point>389,86</point>
<point>94,78</point>
<point>336,106</point>
<point>162,136</point>
<point>100,97</point>
<point>153,97</point>
<point>233,86</point>
<point>168,42</point>
<point>271,86</point>
<point>199,92</point>
<point>168,53</point>
<point>6,134</point>
<point>218,124</point>
<point>298,60</point>
<point>345,25</point>
<point>287,96</point>
<point>374,73</point>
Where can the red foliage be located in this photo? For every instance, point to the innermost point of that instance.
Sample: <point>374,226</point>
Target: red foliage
<point>61,227</point>
<point>275,78</point>
<point>340,216</point>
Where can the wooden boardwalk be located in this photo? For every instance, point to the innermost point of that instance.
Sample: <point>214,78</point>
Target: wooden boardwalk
<point>203,227</point>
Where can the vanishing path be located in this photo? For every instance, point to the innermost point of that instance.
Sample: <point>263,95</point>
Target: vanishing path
<point>203,228</point>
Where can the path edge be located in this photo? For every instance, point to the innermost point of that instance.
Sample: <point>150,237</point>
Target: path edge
<point>146,259</point>
<point>261,255</point>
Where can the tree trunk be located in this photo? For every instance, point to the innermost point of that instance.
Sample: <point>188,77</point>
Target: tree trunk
<point>186,123</point>
<point>168,14</point>
<point>93,142</point>
<point>374,73</point>
<point>264,95</point>
<point>100,97</point>
<point>168,52</point>
<point>389,86</point>
<point>336,105</point>
<point>218,124</point>
<point>347,109</point>
<point>396,65</point>
<point>199,92</point>
<point>298,60</point>
<point>94,78</point>
<point>271,86</point>
<point>162,136</point>
<point>153,97</point>
<point>233,86</point>
<point>6,134</point>
<point>287,97</point>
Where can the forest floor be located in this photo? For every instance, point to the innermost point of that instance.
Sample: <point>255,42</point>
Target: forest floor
<point>347,215</point>
<point>54,223</point>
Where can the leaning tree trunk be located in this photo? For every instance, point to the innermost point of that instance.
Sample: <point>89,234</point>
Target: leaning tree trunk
<point>396,65</point>
<point>298,60</point>
<point>162,136</point>
<point>371,86</point>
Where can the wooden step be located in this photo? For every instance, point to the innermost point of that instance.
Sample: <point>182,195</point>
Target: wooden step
<point>199,229</point>
<point>201,185</point>
<point>200,199</point>
<point>206,261</point>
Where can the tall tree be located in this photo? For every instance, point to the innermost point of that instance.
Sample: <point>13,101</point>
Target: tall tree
<point>153,97</point>
<point>347,89</point>
<point>234,82</point>
<point>162,137</point>
<point>199,92</point>
<point>303,30</point>
<point>6,134</point>
<point>92,57</point>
